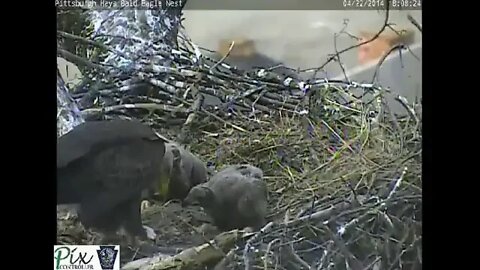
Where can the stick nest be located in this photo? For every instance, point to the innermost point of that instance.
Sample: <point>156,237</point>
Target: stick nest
<point>343,172</point>
<point>341,192</point>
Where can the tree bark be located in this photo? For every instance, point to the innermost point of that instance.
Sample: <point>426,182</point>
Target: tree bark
<point>68,114</point>
<point>158,27</point>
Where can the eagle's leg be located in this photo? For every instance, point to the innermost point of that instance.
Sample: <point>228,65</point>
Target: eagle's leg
<point>107,225</point>
<point>133,223</point>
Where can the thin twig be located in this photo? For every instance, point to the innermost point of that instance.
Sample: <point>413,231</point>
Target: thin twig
<point>144,106</point>
<point>78,60</point>
<point>398,47</point>
<point>89,42</point>
<point>224,57</point>
<point>333,57</point>
<point>414,22</point>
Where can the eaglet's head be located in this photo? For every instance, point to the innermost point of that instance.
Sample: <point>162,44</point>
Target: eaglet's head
<point>201,195</point>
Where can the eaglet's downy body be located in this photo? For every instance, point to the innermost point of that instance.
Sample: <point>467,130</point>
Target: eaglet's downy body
<point>104,166</point>
<point>235,197</point>
<point>182,169</point>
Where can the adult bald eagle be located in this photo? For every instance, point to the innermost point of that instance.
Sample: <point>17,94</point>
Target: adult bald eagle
<point>104,166</point>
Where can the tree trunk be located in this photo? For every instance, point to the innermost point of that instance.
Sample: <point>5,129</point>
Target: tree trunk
<point>158,27</point>
<point>68,114</point>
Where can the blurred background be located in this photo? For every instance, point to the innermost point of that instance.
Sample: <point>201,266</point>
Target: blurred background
<point>297,38</point>
<point>303,39</point>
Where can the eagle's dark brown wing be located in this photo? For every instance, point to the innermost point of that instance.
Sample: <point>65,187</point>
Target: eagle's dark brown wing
<point>92,136</point>
<point>92,156</point>
<point>108,175</point>
<point>115,174</point>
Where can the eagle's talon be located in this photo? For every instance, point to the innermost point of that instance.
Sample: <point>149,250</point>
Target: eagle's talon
<point>145,205</point>
<point>150,233</point>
